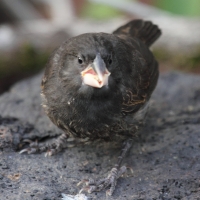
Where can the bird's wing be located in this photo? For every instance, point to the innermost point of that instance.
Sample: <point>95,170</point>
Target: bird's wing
<point>140,86</point>
<point>145,31</point>
<point>143,76</point>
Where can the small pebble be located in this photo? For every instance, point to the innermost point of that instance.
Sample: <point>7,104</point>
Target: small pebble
<point>74,197</point>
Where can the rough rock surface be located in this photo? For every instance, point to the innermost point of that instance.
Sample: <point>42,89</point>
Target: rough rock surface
<point>165,157</point>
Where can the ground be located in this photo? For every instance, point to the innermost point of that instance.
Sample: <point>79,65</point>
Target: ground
<point>165,156</point>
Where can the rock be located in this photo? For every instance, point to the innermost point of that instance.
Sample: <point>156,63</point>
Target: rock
<point>165,156</point>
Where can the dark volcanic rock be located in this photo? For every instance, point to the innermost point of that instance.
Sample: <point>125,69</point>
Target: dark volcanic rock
<point>165,157</point>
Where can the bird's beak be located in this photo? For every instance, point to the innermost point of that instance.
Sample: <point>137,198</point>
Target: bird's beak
<point>96,74</point>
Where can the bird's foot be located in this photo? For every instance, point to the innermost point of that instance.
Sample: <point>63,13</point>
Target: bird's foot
<point>50,147</point>
<point>110,181</point>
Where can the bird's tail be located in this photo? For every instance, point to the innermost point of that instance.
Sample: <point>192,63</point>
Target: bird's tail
<point>146,31</point>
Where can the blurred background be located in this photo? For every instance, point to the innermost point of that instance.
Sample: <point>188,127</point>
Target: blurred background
<point>31,29</point>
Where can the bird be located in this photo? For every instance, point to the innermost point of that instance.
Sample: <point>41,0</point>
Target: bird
<point>98,86</point>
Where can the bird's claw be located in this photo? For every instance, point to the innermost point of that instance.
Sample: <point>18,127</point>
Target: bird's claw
<point>51,152</point>
<point>110,180</point>
<point>34,147</point>
<point>29,151</point>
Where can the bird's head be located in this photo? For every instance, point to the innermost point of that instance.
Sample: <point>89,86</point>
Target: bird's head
<point>96,73</point>
<point>90,64</point>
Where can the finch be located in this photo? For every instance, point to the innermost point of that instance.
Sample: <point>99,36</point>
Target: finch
<point>98,85</point>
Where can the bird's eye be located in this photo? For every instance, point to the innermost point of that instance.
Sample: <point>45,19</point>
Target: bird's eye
<point>109,61</point>
<point>80,61</point>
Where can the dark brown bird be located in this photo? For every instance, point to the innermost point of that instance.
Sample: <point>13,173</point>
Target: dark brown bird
<point>97,85</point>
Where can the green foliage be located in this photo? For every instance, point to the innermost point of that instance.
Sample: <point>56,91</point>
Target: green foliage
<point>27,60</point>
<point>99,11</point>
<point>178,60</point>
<point>180,7</point>
<point>31,59</point>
